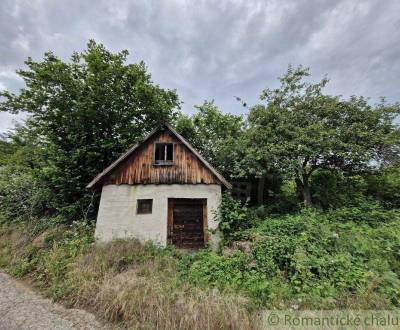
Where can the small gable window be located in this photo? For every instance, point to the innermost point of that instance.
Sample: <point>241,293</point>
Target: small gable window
<point>144,206</point>
<point>164,153</point>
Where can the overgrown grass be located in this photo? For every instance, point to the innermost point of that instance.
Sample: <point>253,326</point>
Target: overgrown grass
<point>343,259</point>
<point>124,281</point>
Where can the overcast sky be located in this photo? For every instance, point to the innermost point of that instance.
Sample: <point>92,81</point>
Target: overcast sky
<point>216,49</point>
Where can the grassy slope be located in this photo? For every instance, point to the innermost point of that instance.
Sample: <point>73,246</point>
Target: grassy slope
<point>343,259</point>
<point>122,282</point>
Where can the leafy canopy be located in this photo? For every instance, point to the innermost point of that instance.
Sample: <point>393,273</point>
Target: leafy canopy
<point>84,113</point>
<point>213,133</point>
<point>300,129</point>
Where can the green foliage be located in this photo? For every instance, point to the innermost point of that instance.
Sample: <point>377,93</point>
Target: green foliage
<point>19,149</point>
<point>65,246</point>
<point>48,255</point>
<point>232,217</point>
<point>370,212</point>
<point>6,150</point>
<point>314,258</point>
<point>84,114</point>
<point>332,189</point>
<point>283,199</point>
<point>385,186</point>
<point>21,269</point>
<point>209,268</point>
<point>301,130</point>
<point>216,135</point>
<point>21,196</point>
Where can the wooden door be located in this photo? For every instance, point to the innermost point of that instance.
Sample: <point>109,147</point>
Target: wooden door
<point>187,222</point>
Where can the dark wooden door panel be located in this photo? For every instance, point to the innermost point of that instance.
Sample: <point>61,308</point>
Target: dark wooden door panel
<point>186,222</point>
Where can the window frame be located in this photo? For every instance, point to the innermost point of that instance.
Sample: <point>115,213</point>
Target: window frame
<point>165,161</point>
<point>139,207</point>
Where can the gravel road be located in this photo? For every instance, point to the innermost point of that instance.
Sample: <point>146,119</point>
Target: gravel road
<point>22,309</point>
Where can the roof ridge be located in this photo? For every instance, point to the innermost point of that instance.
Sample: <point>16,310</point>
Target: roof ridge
<point>125,155</point>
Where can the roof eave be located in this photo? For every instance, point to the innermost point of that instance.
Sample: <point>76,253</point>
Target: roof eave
<point>98,179</point>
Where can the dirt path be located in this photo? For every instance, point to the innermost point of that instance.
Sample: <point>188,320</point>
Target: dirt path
<point>21,309</point>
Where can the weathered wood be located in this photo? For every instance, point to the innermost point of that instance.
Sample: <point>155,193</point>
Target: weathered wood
<point>187,222</point>
<point>140,168</point>
<point>205,222</point>
<point>170,220</point>
<point>189,167</point>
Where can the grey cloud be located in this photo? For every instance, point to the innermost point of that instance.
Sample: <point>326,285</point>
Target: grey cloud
<point>217,49</point>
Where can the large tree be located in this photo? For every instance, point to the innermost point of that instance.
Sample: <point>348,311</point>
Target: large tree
<point>214,134</point>
<point>300,129</point>
<point>84,113</point>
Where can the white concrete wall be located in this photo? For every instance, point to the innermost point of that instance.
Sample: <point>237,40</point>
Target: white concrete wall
<point>117,216</point>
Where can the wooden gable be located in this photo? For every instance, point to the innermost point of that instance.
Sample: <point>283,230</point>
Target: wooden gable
<point>137,165</point>
<point>139,168</point>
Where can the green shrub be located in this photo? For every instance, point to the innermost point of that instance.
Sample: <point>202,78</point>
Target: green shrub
<point>206,267</point>
<point>385,186</point>
<point>332,189</point>
<point>232,218</point>
<point>65,246</point>
<point>21,268</point>
<point>312,257</point>
<point>370,212</point>
<point>22,197</point>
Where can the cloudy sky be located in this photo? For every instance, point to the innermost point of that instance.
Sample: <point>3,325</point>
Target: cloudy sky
<point>216,49</point>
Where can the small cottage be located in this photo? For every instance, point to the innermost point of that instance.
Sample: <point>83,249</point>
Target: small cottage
<point>161,190</point>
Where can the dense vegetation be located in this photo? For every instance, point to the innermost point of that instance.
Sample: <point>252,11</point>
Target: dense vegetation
<point>122,282</point>
<point>346,258</point>
<point>328,237</point>
<point>83,115</point>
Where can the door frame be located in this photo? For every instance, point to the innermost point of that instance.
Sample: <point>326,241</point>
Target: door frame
<point>170,220</point>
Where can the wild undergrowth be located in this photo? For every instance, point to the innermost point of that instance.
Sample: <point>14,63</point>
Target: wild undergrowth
<point>124,282</point>
<point>343,258</point>
<point>348,258</point>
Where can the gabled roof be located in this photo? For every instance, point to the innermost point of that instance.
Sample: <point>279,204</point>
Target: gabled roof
<point>124,156</point>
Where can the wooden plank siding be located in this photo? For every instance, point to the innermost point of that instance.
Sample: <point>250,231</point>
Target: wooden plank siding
<point>139,167</point>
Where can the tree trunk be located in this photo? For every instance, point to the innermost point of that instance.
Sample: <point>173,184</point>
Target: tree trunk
<point>303,186</point>
<point>307,195</point>
<point>260,191</point>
